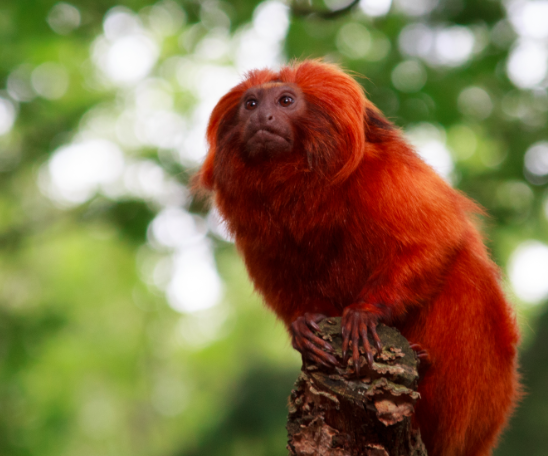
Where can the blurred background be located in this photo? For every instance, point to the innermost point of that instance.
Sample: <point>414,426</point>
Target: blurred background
<point>127,323</point>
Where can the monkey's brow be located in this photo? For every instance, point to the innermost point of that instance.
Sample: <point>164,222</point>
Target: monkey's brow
<point>268,85</point>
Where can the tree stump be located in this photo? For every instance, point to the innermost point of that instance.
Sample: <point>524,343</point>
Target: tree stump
<point>334,413</point>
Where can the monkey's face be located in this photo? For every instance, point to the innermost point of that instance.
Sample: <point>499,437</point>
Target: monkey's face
<point>267,115</point>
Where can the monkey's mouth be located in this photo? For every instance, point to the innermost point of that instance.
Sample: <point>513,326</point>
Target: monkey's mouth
<point>264,136</point>
<point>265,144</point>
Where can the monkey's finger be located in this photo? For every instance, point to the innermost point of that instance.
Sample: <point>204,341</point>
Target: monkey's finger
<point>322,357</point>
<point>378,343</point>
<point>425,362</point>
<point>316,339</point>
<point>346,340</point>
<point>355,349</point>
<point>317,360</point>
<point>307,334</point>
<point>366,346</point>
<point>306,342</point>
<point>421,352</point>
<point>315,317</point>
<point>295,342</point>
<point>328,360</point>
<point>356,359</point>
<point>423,356</point>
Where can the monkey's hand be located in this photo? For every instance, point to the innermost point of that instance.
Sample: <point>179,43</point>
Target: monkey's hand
<point>309,344</point>
<point>356,324</point>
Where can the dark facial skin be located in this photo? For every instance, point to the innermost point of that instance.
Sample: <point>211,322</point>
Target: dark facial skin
<point>268,113</point>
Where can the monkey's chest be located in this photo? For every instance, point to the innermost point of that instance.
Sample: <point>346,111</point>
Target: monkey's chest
<point>317,267</point>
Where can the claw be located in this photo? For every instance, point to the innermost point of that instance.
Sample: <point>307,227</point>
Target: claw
<point>376,338</point>
<point>314,325</point>
<point>345,335</point>
<point>356,358</point>
<point>379,347</point>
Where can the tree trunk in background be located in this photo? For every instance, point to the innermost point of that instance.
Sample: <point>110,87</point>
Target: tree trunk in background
<point>335,414</point>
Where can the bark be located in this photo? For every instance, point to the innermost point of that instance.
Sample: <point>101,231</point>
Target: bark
<point>334,413</point>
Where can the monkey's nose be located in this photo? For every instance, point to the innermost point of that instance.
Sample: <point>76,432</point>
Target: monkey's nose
<point>269,117</point>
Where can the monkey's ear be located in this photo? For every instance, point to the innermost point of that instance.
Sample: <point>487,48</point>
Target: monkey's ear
<point>377,127</point>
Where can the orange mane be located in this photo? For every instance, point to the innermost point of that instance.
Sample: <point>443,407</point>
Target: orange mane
<point>336,101</point>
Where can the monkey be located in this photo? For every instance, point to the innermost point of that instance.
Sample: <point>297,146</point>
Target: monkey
<point>335,214</point>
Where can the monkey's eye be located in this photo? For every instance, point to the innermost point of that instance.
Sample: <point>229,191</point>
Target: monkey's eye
<point>285,101</point>
<point>251,104</point>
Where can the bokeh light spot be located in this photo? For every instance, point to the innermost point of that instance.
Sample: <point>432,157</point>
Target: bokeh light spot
<point>7,115</point>
<point>429,142</point>
<point>120,22</point>
<point>131,58</point>
<point>415,7</point>
<point>19,85</point>
<point>379,48</point>
<point>50,80</point>
<point>536,163</point>
<point>529,18</point>
<point>63,18</point>
<point>271,20</point>
<point>463,141</point>
<point>475,102</point>
<point>409,76</point>
<point>175,228</point>
<point>527,64</point>
<point>454,45</point>
<point>166,18</point>
<point>375,8</point>
<point>440,46</point>
<point>516,196</point>
<point>416,40</point>
<point>528,271</point>
<point>195,284</point>
<point>353,40</point>
<point>126,53</point>
<point>78,170</point>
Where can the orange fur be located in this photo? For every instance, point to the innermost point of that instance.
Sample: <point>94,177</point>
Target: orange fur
<point>354,215</point>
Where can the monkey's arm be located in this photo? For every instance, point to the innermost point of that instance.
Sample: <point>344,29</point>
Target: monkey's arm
<point>408,279</point>
<point>420,225</point>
